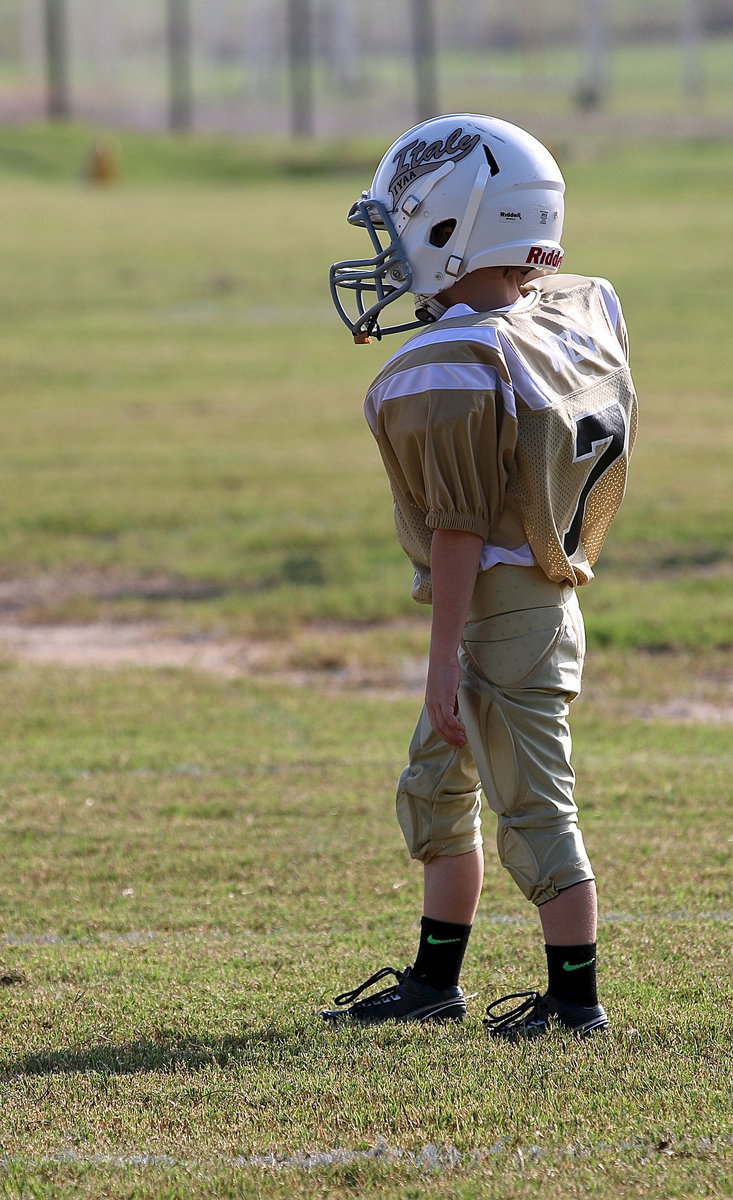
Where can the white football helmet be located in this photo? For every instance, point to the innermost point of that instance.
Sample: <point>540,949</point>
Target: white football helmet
<point>453,194</point>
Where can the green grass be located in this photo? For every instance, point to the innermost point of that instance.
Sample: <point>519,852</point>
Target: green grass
<point>62,152</point>
<point>188,888</point>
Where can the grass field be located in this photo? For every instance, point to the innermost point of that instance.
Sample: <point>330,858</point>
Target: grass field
<point>197,861</point>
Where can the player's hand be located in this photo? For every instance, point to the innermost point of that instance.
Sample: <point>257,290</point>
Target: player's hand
<point>441,701</point>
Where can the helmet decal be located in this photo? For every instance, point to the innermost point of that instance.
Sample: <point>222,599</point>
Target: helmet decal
<point>418,158</point>
<point>540,256</point>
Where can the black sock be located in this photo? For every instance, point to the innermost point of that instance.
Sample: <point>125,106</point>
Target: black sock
<point>571,973</point>
<point>440,954</point>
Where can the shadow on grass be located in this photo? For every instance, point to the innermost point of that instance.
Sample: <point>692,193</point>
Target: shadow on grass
<point>164,1054</point>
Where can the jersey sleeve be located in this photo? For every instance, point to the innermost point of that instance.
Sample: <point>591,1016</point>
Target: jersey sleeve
<point>449,453</point>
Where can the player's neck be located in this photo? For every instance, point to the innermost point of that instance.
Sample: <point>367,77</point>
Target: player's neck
<point>484,290</point>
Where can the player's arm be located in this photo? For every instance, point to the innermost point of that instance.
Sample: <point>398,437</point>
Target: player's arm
<point>449,451</point>
<point>454,564</point>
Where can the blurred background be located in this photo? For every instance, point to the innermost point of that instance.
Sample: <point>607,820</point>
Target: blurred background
<point>327,68</point>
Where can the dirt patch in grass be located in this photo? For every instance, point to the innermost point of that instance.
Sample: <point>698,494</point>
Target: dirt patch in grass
<point>51,598</point>
<point>41,621</point>
<point>93,619</point>
<point>680,689</point>
<point>316,656</point>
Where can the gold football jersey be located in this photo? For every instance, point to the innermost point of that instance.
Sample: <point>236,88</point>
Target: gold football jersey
<point>516,425</point>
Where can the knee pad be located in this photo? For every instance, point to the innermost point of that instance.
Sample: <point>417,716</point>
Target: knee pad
<point>543,862</point>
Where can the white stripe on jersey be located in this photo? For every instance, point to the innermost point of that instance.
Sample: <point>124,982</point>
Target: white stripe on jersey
<point>483,334</point>
<point>611,302</point>
<point>436,377</point>
<point>525,384</point>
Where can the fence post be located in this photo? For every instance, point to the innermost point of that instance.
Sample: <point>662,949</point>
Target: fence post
<point>345,42</point>
<point>691,41</point>
<point>262,59</point>
<point>180,103</point>
<point>594,89</point>
<point>300,56</point>
<point>58,104</point>
<point>423,45</point>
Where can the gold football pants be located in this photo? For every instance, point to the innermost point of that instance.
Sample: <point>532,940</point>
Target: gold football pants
<point>521,666</point>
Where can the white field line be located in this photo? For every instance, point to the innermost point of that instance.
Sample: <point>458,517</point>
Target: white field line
<point>430,1157</point>
<point>135,936</point>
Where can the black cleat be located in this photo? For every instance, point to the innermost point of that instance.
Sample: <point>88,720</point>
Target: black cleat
<point>410,999</point>
<point>537,1015</point>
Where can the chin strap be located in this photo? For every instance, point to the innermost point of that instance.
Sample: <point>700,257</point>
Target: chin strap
<point>454,265</point>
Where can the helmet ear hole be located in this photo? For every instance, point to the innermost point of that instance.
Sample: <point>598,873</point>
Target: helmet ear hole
<point>441,233</point>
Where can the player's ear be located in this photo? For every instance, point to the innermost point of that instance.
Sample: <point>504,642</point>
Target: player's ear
<point>441,233</point>
<point>519,273</point>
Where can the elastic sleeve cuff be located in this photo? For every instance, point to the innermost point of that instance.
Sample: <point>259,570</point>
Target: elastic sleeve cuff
<point>463,522</point>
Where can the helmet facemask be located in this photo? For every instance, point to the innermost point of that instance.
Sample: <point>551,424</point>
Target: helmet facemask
<point>369,275</point>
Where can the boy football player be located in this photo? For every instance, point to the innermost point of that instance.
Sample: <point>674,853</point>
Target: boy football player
<point>505,425</point>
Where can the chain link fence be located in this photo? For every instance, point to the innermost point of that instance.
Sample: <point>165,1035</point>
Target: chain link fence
<point>345,68</point>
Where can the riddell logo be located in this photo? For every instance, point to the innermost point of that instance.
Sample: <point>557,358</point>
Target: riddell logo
<point>540,257</point>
